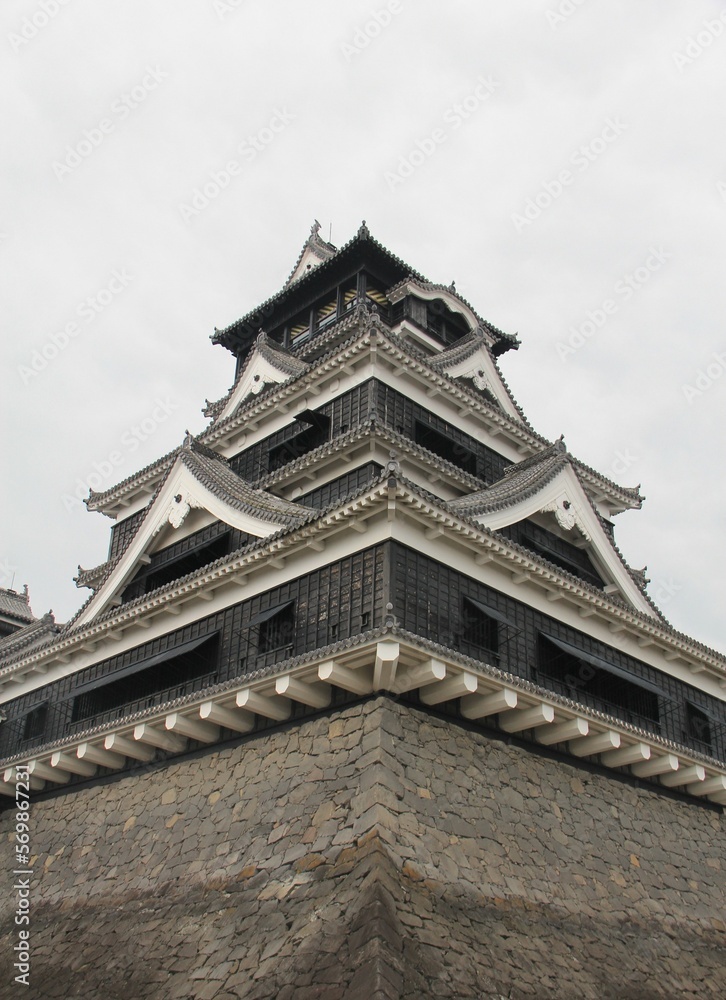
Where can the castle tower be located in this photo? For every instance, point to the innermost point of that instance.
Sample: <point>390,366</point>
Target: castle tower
<point>365,700</point>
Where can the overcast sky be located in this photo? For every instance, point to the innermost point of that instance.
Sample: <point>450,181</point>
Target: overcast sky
<point>564,162</point>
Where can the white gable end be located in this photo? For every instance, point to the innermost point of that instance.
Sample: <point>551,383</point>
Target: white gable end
<point>565,498</point>
<point>258,373</point>
<point>480,368</point>
<point>181,493</point>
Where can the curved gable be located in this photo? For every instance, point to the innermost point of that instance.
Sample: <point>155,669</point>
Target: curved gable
<point>195,481</point>
<point>549,485</point>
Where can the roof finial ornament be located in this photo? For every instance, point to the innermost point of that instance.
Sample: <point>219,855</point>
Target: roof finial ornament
<point>452,287</point>
<point>315,228</point>
<point>560,444</point>
<point>393,466</point>
<point>363,232</point>
<point>188,440</point>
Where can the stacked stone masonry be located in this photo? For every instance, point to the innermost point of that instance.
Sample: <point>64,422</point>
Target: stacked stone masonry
<point>375,853</point>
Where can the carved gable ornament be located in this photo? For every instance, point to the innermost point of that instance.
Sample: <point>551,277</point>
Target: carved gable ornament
<point>566,514</point>
<point>178,509</point>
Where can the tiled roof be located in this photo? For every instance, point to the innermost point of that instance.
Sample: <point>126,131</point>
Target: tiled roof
<point>272,352</point>
<point>320,247</point>
<point>524,480</point>
<point>606,601</point>
<point>91,577</point>
<point>518,482</point>
<point>496,333</point>
<point>214,472</point>
<point>362,235</point>
<point>96,500</point>
<point>460,351</point>
<point>40,632</point>
<point>365,428</point>
<point>15,605</point>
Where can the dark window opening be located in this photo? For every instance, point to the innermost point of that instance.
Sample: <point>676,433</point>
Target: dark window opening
<point>342,486</point>
<point>334,631</point>
<point>327,314</point>
<point>698,728</point>
<point>327,311</point>
<point>478,628</point>
<point>169,676</point>
<point>376,297</point>
<point>563,554</point>
<point>155,575</point>
<point>441,445</point>
<point>277,631</point>
<point>602,687</point>
<point>35,721</point>
<point>300,331</point>
<point>315,431</point>
<point>365,619</point>
<point>445,325</point>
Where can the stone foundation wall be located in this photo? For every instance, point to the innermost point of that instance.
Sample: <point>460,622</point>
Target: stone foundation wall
<point>375,853</point>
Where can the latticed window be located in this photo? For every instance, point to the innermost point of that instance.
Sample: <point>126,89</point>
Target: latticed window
<point>556,550</point>
<point>149,681</point>
<point>184,557</point>
<point>453,451</point>
<point>698,726</point>
<point>478,627</point>
<point>314,431</point>
<point>35,721</point>
<point>278,630</point>
<point>593,680</point>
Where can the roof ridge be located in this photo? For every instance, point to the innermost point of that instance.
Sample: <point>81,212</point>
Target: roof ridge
<point>320,247</point>
<point>362,235</point>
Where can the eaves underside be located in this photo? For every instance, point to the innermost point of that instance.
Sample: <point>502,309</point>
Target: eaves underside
<point>386,660</point>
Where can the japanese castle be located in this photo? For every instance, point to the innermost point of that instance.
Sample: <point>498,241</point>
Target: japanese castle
<point>368,514</point>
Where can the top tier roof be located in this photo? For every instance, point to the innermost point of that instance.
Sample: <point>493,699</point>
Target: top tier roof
<point>320,266</point>
<point>16,606</point>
